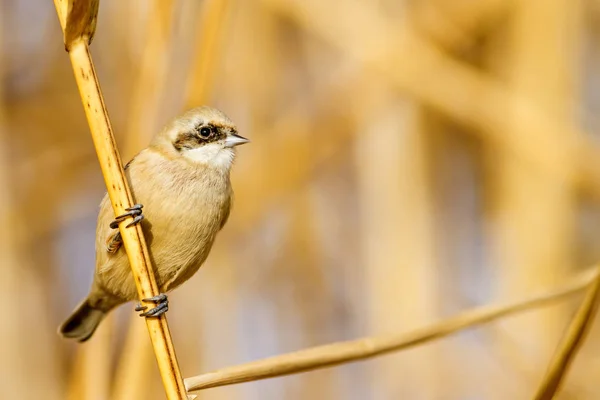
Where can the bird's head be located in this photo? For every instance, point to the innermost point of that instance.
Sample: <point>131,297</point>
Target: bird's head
<point>202,135</point>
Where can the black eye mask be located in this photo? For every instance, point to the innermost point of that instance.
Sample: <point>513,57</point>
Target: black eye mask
<point>203,134</point>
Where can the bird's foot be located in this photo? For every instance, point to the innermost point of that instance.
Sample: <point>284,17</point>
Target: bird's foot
<point>162,306</point>
<point>135,212</point>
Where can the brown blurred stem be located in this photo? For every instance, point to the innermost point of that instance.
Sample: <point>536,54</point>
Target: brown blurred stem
<point>118,189</point>
<point>355,350</point>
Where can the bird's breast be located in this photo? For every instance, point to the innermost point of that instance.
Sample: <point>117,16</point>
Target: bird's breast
<point>182,217</point>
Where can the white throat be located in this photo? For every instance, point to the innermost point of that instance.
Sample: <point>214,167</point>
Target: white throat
<point>213,154</point>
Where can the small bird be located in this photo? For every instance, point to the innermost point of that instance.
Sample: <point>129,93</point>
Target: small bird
<point>182,180</point>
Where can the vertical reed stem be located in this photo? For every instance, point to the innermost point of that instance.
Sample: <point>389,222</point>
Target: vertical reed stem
<point>118,189</point>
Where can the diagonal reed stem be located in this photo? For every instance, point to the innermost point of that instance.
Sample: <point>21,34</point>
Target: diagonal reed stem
<point>572,341</point>
<point>77,19</point>
<point>361,349</point>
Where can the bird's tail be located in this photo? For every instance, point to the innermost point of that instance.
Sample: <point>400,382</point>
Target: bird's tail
<point>82,323</point>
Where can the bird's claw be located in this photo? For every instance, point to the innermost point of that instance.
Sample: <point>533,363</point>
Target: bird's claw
<point>134,211</point>
<point>162,306</point>
<point>157,311</point>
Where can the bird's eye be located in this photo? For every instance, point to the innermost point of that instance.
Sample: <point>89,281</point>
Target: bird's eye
<point>205,132</point>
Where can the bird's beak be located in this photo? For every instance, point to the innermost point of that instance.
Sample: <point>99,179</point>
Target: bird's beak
<point>233,139</point>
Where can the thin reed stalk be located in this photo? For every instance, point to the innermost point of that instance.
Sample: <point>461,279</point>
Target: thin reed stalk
<point>77,20</point>
<point>572,341</point>
<point>361,349</point>
<point>205,62</point>
<point>133,365</point>
<point>97,371</point>
<point>150,84</point>
<point>134,362</point>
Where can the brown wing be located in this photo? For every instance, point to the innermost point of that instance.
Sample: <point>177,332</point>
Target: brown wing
<point>225,210</point>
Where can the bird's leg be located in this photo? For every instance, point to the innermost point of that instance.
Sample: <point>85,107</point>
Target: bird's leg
<point>162,306</point>
<point>135,212</point>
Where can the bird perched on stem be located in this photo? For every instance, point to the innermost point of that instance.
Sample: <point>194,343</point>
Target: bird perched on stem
<point>182,182</point>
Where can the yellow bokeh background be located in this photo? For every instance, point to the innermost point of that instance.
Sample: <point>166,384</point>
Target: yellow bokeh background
<point>409,160</point>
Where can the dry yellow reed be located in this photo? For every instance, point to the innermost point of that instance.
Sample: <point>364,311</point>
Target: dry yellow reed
<point>134,364</point>
<point>150,84</point>
<point>534,244</point>
<point>572,341</point>
<point>80,21</point>
<point>11,276</point>
<point>75,389</point>
<point>205,62</point>
<point>97,366</point>
<point>355,350</point>
<point>118,189</point>
<point>398,201</point>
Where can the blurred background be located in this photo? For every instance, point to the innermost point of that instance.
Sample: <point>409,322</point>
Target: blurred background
<point>409,160</point>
